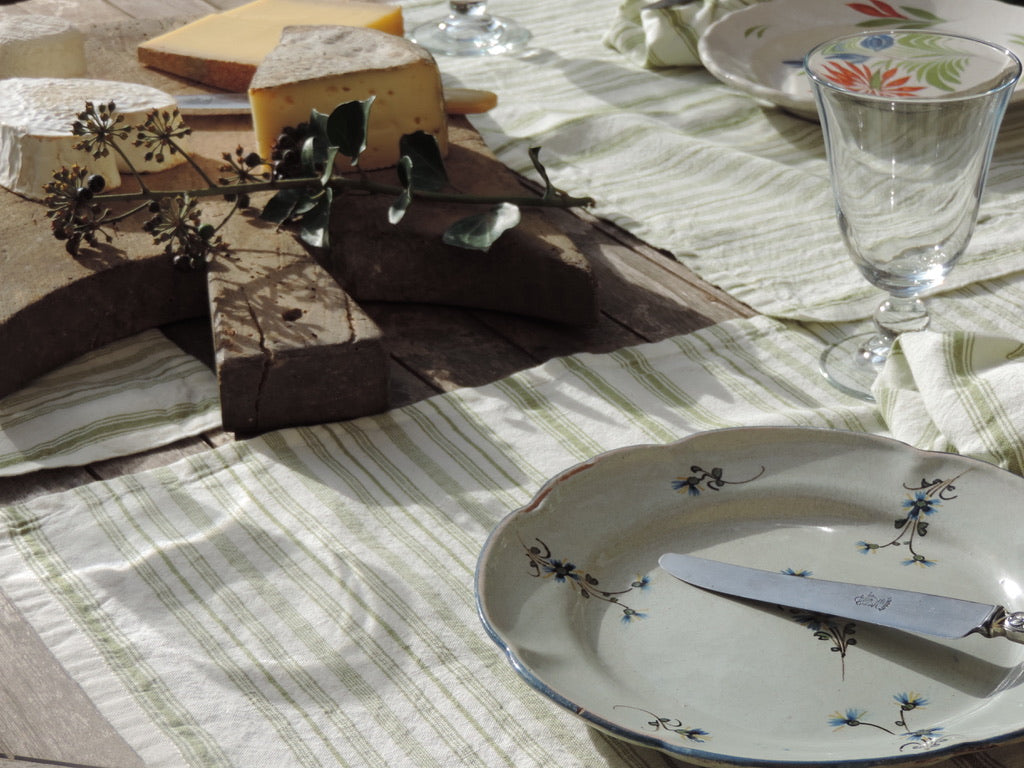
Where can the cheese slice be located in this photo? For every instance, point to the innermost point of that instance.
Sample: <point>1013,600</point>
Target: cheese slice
<point>36,115</point>
<point>40,46</point>
<point>322,67</point>
<point>224,49</point>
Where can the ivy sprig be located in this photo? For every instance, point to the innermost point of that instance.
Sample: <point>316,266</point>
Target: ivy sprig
<point>307,177</point>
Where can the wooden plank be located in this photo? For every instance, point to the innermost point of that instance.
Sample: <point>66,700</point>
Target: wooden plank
<point>76,12</point>
<point>155,457</point>
<point>24,487</point>
<point>291,347</point>
<point>44,715</point>
<point>189,8</point>
<point>445,346</point>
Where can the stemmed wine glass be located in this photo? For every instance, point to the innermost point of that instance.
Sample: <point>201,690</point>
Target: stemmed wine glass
<point>909,119</point>
<point>469,30</point>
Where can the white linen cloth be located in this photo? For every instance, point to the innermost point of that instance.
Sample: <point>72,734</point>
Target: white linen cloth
<point>664,34</point>
<point>305,598</point>
<point>134,394</point>
<point>958,392</point>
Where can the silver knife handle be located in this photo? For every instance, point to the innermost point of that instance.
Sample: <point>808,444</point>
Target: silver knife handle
<point>1008,625</point>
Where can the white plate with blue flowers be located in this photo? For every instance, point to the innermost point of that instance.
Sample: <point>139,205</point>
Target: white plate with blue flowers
<point>759,49</point>
<point>569,588</point>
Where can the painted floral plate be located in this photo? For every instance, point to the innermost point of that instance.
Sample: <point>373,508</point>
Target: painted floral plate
<point>760,49</point>
<point>569,587</point>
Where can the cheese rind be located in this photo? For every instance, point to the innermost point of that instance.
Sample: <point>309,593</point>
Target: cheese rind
<point>40,46</point>
<point>322,67</point>
<point>469,101</point>
<point>36,139</point>
<point>224,49</point>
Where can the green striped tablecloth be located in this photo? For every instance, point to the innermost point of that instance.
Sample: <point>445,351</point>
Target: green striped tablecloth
<point>737,189</point>
<point>306,598</point>
<point>132,395</point>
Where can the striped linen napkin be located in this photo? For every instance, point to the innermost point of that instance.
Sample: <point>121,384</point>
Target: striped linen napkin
<point>129,396</point>
<point>664,33</point>
<point>959,392</point>
<point>305,598</point>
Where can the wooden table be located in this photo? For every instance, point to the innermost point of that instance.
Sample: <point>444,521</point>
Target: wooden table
<point>643,294</point>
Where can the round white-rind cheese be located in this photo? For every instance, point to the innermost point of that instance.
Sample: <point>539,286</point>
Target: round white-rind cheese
<point>40,46</point>
<point>36,139</point>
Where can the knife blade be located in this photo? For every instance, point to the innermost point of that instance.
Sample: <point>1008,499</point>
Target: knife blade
<point>458,101</point>
<point>936,615</point>
<point>213,103</point>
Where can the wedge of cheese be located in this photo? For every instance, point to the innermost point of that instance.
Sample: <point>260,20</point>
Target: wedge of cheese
<point>36,115</point>
<point>322,67</point>
<point>40,46</point>
<point>224,49</point>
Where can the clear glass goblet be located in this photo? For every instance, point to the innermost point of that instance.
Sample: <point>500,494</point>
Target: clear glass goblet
<point>909,119</point>
<point>469,30</point>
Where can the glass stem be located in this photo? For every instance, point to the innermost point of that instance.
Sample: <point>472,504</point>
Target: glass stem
<point>895,315</point>
<point>475,10</point>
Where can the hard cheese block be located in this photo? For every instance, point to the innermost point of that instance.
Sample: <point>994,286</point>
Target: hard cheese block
<point>40,46</point>
<point>36,139</point>
<point>224,49</point>
<point>322,67</point>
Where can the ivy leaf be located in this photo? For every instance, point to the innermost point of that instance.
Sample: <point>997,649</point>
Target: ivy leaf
<point>328,171</point>
<point>313,154</point>
<point>428,170</point>
<point>287,204</point>
<point>318,124</point>
<point>549,189</point>
<point>480,231</point>
<point>405,176</point>
<point>315,230</point>
<point>346,127</point>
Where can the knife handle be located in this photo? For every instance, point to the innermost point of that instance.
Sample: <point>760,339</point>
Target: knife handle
<point>1008,625</point>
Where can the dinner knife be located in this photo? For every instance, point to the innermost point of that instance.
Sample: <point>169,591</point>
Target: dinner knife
<point>213,103</point>
<point>899,608</point>
<point>459,101</point>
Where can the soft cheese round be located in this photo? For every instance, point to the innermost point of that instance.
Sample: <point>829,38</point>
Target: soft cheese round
<point>40,46</point>
<point>36,115</point>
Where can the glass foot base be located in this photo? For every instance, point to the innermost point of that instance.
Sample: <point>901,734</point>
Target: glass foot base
<point>471,36</point>
<point>850,367</point>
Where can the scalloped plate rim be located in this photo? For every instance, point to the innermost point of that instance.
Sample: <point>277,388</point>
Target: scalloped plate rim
<point>705,756</point>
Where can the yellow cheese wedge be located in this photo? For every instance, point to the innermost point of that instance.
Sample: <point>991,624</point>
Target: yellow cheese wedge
<point>224,49</point>
<point>322,67</point>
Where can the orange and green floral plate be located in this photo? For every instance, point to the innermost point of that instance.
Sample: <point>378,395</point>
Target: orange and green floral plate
<point>759,50</point>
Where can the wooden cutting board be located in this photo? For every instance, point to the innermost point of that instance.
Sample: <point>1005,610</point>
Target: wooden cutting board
<point>292,346</point>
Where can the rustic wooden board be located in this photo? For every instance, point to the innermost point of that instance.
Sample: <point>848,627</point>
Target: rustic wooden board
<point>534,269</point>
<point>55,307</point>
<point>291,347</point>
<point>58,307</point>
